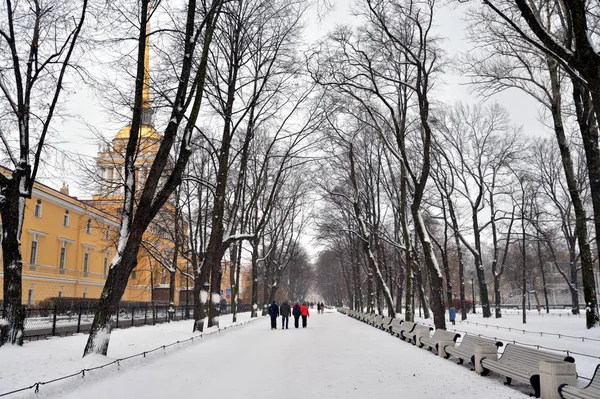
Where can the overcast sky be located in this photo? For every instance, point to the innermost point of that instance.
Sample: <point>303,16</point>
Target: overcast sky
<point>77,137</point>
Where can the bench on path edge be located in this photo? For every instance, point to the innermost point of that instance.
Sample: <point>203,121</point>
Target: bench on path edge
<point>591,391</point>
<point>394,326</point>
<point>466,348</point>
<point>376,321</point>
<point>521,364</point>
<point>439,340</point>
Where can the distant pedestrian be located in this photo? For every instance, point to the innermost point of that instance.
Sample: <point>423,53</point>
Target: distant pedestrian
<point>285,314</point>
<point>452,313</point>
<point>296,313</point>
<point>274,313</point>
<point>322,308</point>
<point>305,314</point>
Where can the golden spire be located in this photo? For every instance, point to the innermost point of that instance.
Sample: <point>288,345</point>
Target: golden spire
<point>146,88</point>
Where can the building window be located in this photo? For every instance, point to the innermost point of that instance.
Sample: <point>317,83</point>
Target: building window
<point>30,296</point>
<point>66,219</point>
<point>85,292</point>
<point>86,262</point>
<point>37,212</point>
<point>63,257</point>
<point>34,249</point>
<point>107,233</point>
<point>88,227</point>
<point>105,264</point>
<point>60,292</point>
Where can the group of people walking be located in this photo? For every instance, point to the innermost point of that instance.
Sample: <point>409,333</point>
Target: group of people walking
<point>320,307</point>
<point>285,311</point>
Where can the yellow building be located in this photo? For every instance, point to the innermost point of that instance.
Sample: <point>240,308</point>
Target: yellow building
<point>67,247</point>
<point>68,244</point>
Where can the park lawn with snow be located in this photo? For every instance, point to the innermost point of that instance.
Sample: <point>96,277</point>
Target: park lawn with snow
<point>335,357</point>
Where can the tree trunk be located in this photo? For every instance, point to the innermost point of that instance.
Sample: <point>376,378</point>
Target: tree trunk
<point>590,143</point>
<point>437,288</point>
<point>116,283</point>
<point>483,293</point>
<point>12,212</point>
<point>543,271</point>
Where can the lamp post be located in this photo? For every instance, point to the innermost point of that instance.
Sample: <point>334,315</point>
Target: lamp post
<point>473,294</point>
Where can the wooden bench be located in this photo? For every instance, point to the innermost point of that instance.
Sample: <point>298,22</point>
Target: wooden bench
<point>522,364</point>
<point>376,321</point>
<point>405,329</point>
<point>591,391</point>
<point>385,323</point>
<point>466,349</point>
<point>439,340</point>
<point>394,326</point>
<point>418,333</point>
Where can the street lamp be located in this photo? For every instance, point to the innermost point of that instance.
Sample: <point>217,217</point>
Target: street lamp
<point>473,293</point>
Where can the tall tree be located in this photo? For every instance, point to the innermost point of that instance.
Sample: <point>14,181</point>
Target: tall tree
<point>164,174</point>
<point>37,42</point>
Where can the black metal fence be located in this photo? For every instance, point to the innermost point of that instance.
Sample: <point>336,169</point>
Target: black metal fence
<point>41,323</point>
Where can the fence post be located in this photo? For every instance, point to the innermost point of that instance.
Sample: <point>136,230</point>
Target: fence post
<point>146,314</point>
<point>132,316</point>
<point>118,311</point>
<point>79,321</point>
<point>54,320</point>
<point>167,314</point>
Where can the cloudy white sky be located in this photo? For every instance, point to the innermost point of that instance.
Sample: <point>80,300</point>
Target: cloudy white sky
<point>77,137</point>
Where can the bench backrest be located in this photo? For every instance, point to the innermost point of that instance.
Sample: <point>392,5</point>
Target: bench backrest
<point>386,321</point>
<point>445,335</point>
<point>530,357</point>
<point>595,383</point>
<point>378,319</point>
<point>408,326</point>
<point>469,341</point>
<point>395,323</point>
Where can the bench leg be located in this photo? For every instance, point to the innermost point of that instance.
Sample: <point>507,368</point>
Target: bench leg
<point>460,361</point>
<point>484,371</point>
<point>535,383</point>
<point>508,381</point>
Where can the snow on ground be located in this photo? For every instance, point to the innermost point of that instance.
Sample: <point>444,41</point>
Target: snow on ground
<point>53,358</point>
<point>335,357</point>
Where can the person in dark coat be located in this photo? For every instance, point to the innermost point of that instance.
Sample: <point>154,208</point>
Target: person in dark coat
<point>296,313</point>
<point>274,313</point>
<point>285,311</point>
<point>304,313</point>
<point>452,313</point>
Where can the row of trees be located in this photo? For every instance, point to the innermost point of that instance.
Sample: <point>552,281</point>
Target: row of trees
<point>422,187</point>
<point>235,113</point>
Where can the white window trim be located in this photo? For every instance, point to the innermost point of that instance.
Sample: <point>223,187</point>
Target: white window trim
<point>86,261</point>
<point>37,232</point>
<point>36,206</point>
<point>37,247</point>
<point>66,218</point>
<point>63,266</point>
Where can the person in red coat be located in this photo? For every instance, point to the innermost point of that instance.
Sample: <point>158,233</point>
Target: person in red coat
<point>304,313</point>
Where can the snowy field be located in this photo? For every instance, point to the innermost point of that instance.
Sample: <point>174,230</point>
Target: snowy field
<point>335,357</point>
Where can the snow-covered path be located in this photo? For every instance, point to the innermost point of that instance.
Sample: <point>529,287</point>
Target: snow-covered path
<point>335,357</point>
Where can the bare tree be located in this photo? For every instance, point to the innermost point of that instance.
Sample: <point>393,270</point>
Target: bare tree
<point>200,23</point>
<point>566,32</point>
<point>37,42</point>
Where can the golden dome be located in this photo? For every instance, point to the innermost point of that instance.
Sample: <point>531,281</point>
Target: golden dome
<point>146,132</point>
